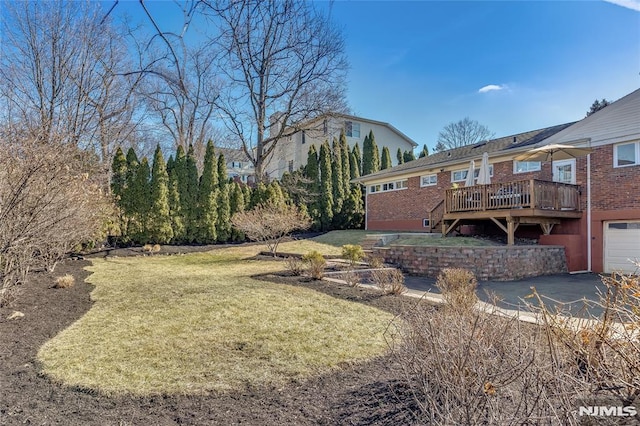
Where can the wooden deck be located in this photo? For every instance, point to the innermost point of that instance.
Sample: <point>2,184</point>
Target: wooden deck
<point>510,204</point>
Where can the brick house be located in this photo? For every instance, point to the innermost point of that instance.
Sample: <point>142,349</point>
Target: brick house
<point>589,204</point>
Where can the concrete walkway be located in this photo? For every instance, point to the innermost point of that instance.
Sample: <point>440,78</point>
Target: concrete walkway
<point>570,290</point>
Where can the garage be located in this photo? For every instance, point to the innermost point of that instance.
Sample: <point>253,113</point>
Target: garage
<point>621,244</point>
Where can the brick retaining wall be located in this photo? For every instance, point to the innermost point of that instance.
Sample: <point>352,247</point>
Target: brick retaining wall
<point>500,263</point>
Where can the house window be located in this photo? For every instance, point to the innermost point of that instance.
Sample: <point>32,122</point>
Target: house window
<point>526,166</point>
<point>325,127</point>
<point>461,175</point>
<point>429,180</point>
<point>304,137</point>
<point>425,223</point>
<point>290,166</point>
<point>626,154</point>
<point>389,186</point>
<point>352,129</point>
<point>564,171</point>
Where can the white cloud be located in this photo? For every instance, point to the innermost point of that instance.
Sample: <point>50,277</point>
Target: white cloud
<point>629,4</point>
<point>491,87</point>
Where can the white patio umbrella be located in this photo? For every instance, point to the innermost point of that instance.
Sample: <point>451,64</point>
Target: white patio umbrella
<point>553,152</point>
<point>470,181</point>
<point>484,177</point>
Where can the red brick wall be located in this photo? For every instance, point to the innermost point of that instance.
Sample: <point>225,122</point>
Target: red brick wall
<point>613,188</point>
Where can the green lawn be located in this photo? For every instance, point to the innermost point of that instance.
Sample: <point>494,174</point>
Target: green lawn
<point>198,323</point>
<point>329,244</point>
<point>446,242</point>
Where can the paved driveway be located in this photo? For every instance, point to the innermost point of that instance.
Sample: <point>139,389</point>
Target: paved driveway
<point>568,289</point>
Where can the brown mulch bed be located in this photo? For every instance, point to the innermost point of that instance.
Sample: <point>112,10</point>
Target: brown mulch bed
<point>369,393</point>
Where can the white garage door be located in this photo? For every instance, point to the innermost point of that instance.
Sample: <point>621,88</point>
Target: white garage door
<point>621,245</point>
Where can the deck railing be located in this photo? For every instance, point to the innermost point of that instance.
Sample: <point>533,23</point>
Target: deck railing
<point>532,193</point>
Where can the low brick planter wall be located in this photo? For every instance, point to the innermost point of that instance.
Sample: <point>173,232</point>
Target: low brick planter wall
<point>500,263</point>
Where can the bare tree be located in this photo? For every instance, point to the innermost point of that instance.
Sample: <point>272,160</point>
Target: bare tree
<point>61,73</point>
<point>282,63</point>
<point>180,86</point>
<point>462,133</point>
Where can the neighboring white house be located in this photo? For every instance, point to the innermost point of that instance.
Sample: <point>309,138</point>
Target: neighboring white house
<point>291,152</point>
<point>239,167</point>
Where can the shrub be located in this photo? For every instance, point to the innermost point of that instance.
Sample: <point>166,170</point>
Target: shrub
<point>472,368</point>
<point>316,264</point>
<point>294,265</point>
<point>65,281</point>
<point>52,199</point>
<point>353,253</point>
<point>458,288</point>
<point>156,248</point>
<point>352,279</point>
<point>375,261</point>
<point>389,280</point>
<point>271,223</point>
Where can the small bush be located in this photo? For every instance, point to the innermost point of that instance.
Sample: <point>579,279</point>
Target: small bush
<point>65,281</point>
<point>316,264</point>
<point>156,248</point>
<point>352,279</point>
<point>458,287</point>
<point>375,261</point>
<point>294,265</point>
<point>353,253</point>
<point>389,280</point>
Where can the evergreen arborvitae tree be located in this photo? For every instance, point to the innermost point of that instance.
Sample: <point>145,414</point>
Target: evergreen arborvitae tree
<point>175,207</point>
<point>358,157</point>
<point>326,190</point>
<point>408,156</point>
<point>190,196</point>
<point>258,195</point>
<point>367,153</point>
<point>140,197</point>
<point>376,153</point>
<point>127,200</point>
<point>346,166</point>
<point>399,156</point>
<point>336,175</point>
<point>312,173</point>
<point>224,209</point>
<point>385,161</point>
<point>370,155</point>
<point>207,211</point>
<point>118,174</point>
<point>354,208</point>
<point>424,152</point>
<point>236,205</point>
<point>160,229</point>
<point>248,194</point>
<point>274,194</point>
<point>354,171</point>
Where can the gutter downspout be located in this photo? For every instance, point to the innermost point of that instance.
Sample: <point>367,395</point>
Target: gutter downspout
<point>589,241</point>
<point>366,207</point>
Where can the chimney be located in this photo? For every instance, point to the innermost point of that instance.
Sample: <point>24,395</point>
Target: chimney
<point>275,123</point>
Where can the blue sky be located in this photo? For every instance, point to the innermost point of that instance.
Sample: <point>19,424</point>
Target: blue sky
<point>420,65</point>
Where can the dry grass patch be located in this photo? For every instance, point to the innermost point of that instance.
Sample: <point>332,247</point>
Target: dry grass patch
<point>64,281</point>
<point>198,323</point>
